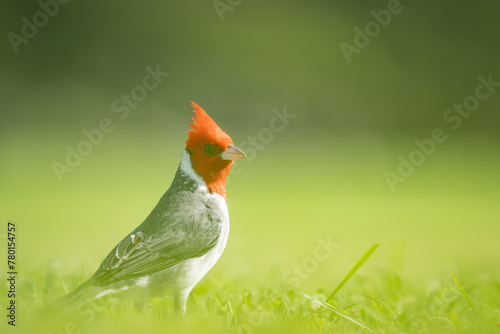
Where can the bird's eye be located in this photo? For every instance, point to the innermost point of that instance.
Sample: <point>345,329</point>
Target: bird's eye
<point>209,149</point>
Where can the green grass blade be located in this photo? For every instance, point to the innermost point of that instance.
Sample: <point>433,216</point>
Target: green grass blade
<point>463,292</point>
<point>61,281</point>
<point>353,270</point>
<point>338,311</point>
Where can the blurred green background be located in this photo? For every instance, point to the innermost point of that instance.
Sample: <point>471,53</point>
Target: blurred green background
<point>323,175</point>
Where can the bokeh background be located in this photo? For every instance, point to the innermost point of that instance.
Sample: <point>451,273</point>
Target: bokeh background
<point>323,175</point>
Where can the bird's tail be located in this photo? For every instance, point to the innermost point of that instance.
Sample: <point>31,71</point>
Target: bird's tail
<point>72,300</point>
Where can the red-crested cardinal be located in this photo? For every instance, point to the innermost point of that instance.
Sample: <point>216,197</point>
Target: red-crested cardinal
<point>184,235</point>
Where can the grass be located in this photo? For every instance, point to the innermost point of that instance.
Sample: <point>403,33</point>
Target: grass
<point>379,301</point>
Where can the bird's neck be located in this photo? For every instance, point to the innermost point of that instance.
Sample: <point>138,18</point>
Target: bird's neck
<point>215,182</point>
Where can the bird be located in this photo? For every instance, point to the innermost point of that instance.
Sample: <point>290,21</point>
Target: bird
<point>185,233</point>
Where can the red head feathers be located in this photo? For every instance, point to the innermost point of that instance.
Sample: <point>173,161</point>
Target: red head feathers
<point>212,151</point>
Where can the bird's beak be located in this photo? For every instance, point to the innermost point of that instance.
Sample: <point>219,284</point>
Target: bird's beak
<point>232,153</point>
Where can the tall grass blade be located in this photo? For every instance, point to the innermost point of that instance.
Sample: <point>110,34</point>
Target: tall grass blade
<point>338,312</point>
<point>463,292</point>
<point>353,270</point>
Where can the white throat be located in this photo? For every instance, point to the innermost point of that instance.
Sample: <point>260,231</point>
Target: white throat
<point>187,168</point>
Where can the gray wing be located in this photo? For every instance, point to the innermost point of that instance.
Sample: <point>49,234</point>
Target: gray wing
<point>176,230</point>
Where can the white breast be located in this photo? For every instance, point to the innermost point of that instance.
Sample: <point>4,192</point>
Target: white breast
<point>196,268</point>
